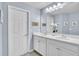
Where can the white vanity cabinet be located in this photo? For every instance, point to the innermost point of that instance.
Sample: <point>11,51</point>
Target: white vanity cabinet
<point>36,43</point>
<point>40,44</point>
<point>56,48</point>
<point>51,46</point>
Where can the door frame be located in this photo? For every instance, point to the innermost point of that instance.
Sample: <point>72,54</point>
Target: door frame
<point>28,24</point>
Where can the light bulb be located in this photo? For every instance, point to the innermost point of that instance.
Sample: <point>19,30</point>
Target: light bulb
<point>59,4</point>
<point>47,10</point>
<point>62,5</point>
<point>54,6</point>
<point>51,9</point>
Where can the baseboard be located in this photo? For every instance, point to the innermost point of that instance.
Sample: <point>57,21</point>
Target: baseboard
<point>38,53</point>
<point>31,50</point>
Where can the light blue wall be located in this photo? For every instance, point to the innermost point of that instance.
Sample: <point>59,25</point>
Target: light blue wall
<point>58,20</point>
<point>69,17</point>
<point>0,33</point>
<point>34,14</point>
<point>43,20</point>
<point>72,18</point>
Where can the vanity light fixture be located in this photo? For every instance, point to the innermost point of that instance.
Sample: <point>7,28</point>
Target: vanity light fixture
<point>51,9</point>
<point>62,5</point>
<point>47,9</point>
<point>58,4</point>
<point>55,7</point>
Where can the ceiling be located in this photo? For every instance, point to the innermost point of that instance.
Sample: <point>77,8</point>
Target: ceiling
<point>69,8</point>
<point>38,5</point>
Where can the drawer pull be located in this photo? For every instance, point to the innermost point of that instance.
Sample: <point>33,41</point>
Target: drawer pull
<point>58,48</point>
<point>39,41</point>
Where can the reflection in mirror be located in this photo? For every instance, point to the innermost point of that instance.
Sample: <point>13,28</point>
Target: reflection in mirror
<point>63,20</point>
<point>43,24</point>
<point>65,23</point>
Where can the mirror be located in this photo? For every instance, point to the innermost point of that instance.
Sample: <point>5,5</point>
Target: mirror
<point>63,21</point>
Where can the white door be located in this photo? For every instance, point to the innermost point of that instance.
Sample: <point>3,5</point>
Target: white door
<point>17,31</point>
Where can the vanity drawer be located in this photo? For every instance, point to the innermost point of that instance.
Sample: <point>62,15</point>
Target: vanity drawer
<point>64,45</point>
<point>66,52</point>
<point>70,47</point>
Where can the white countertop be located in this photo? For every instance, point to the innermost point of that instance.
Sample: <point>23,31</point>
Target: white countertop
<point>66,38</point>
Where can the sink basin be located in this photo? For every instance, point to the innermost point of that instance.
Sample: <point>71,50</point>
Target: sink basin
<point>62,37</point>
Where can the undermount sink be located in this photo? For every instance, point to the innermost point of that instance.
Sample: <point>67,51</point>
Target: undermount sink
<point>62,37</point>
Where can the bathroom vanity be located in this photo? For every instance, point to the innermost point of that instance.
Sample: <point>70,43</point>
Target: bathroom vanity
<point>56,45</point>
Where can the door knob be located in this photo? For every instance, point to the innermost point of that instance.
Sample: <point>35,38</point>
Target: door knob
<point>25,34</point>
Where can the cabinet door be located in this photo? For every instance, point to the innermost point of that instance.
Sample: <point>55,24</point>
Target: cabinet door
<point>42,46</point>
<point>36,43</point>
<point>51,48</point>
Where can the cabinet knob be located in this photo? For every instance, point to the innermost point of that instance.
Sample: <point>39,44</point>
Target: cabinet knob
<point>39,41</point>
<point>58,48</point>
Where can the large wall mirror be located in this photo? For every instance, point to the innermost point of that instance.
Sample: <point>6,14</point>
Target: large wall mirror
<point>64,20</point>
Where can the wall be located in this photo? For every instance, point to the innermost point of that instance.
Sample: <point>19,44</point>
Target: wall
<point>34,14</point>
<point>68,17</point>
<point>36,28</point>
<point>43,20</point>
<point>59,20</point>
<point>0,33</point>
<point>48,19</point>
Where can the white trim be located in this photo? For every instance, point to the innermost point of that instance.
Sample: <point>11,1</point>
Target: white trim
<point>31,50</point>
<point>14,7</point>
